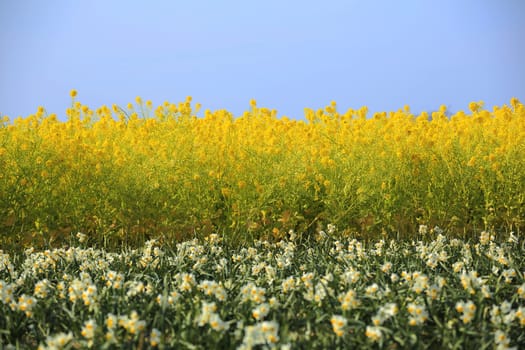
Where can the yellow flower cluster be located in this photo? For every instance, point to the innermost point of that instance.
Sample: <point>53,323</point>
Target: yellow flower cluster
<point>125,173</point>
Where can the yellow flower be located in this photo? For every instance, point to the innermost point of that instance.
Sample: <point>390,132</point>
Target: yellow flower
<point>226,192</point>
<point>73,93</point>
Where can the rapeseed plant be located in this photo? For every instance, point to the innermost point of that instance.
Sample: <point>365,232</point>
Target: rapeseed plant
<point>127,175</point>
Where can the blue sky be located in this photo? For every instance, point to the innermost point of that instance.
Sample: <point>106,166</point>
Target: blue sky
<point>288,55</point>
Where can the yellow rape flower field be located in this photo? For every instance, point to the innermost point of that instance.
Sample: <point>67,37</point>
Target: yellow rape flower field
<point>149,227</point>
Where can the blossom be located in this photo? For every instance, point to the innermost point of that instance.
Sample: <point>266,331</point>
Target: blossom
<point>212,288</point>
<point>288,284</point>
<point>307,279</point>
<point>250,292</point>
<point>374,333</point>
<point>132,323</point>
<point>207,310</point>
<point>394,277</point>
<point>320,293</point>
<point>57,341</point>
<point>261,311</point>
<point>458,266</point>
<point>42,288</point>
<point>372,289</point>
<point>467,310</point>
<point>485,238</point>
<point>187,281</point>
<point>216,323</point>
<point>338,324</point>
<point>433,291</point>
<point>470,281</point>
<point>89,295</point>
<point>420,282</point>
<point>154,337</point>
<point>6,292</point>
<point>349,300</point>
<point>521,291</point>
<point>113,279</point>
<point>418,314</point>
<point>351,276</point>
<point>384,313</point>
<point>502,341</point>
<point>262,333</point>
<point>111,321</point>
<point>88,330</point>
<point>386,267</point>
<point>508,275</point>
<point>26,304</point>
<point>520,315</point>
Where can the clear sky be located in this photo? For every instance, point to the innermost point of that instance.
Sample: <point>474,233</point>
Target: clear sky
<point>288,55</point>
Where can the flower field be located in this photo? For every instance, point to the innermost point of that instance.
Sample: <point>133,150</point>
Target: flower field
<point>292,294</point>
<point>128,175</point>
<point>150,227</point>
